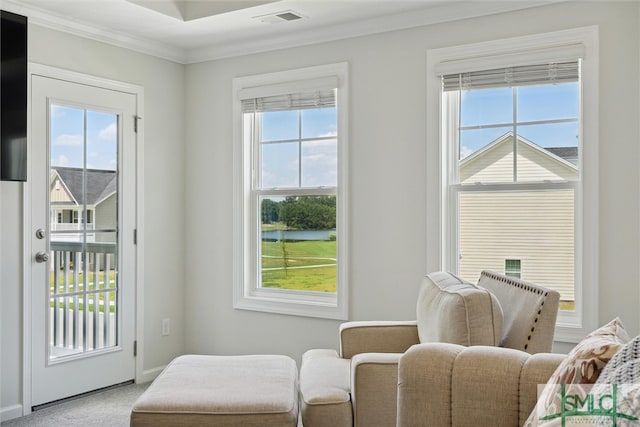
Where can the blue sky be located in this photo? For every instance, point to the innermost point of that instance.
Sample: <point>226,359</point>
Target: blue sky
<point>280,161</point>
<point>535,104</point>
<point>68,143</point>
<point>319,157</point>
<point>538,103</point>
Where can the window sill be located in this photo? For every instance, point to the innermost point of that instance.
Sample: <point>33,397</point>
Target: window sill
<point>309,304</point>
<point>569,328</point>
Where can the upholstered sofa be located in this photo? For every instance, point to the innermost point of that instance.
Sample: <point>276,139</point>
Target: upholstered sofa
<point>448,385</point>
<point>358,386</point>
<point>441,384</point>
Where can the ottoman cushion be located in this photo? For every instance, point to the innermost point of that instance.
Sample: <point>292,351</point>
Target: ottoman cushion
<point>325,389</point>
<point>259,390</point>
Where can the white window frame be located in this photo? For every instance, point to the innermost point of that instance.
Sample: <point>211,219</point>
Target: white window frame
<point>571,326</point>
<point>247,294</point>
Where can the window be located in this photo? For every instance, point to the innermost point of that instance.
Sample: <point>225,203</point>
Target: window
<point>519,164</point>
<point>512,268</point>
<point>291,150</point>
<point>514,140</point>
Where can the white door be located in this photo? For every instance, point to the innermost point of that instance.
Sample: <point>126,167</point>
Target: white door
<point>82,194</point>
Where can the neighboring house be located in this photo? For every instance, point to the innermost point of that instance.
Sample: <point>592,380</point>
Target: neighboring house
<point>530,246</point>
<point>76,203</point>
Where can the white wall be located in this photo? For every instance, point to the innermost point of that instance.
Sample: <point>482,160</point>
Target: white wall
<point>388,176</point>
<point>163,122</point>
<point>10,299</point>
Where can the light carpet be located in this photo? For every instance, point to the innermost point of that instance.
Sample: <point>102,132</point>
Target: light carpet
<point>110,408</point>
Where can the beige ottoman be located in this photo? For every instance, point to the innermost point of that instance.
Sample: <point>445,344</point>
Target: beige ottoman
<point>259,390</point>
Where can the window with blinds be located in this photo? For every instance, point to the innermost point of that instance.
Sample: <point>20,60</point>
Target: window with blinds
<point>295,139</point>
<point>514,139</point>
<point>293,147</point>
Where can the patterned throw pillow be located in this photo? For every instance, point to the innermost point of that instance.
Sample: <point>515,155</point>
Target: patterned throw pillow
<point>623,371</point>
<point>624,367</point>
<point>583,365</point>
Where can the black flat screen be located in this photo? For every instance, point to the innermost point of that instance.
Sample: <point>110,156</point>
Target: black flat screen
<point>13,97</point>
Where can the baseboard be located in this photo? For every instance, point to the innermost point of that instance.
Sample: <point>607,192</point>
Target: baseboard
<point>149,375</point>
<point>10,412</point>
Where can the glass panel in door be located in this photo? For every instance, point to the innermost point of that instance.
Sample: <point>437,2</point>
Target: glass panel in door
<point>83,206</point>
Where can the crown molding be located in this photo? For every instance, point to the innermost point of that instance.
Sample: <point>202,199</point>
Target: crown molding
<point>446,12</point>
<point>44,18</point>
<point>435,15</point>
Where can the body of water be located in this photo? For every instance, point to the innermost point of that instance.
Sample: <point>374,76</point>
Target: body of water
<point>296,235</point>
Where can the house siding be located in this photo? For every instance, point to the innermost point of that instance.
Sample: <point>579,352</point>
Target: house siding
<point>496,165</point>
<point>59,194</point>
<point>106,217</point>
<point>536,227</point>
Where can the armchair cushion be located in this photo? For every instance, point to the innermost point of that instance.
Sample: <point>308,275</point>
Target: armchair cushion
<point>454,311</point>
<point>530,311</point>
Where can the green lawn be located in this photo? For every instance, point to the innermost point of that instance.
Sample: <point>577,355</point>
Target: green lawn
<point>317,256</point>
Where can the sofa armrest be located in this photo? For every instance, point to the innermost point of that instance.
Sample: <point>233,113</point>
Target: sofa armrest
<point>469,386</point>
<point>377,337</point>
<point>374,388</point>
<point>536,371</point>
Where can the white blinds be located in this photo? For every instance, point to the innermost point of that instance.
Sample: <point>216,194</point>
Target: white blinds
<point>293,101</point>
<point>513,76</point>
<point>305,94</point>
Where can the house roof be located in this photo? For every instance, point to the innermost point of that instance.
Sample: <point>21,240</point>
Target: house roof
<point>494,163</point>
<point>565,155</point>
<point>100,183</point>
<point>568,153</point>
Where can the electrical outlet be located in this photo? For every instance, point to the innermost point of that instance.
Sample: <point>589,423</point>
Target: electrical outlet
<point>166,327</point>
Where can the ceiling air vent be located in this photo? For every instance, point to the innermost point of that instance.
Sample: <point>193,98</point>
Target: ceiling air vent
<point>274,18</point>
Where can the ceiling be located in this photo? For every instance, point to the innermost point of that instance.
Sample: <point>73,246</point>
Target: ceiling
<point>189,31</point>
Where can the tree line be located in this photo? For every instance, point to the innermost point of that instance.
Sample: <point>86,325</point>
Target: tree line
<point>301,212</point>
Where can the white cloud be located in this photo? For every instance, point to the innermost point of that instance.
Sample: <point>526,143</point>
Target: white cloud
<point>68,140</point>
<point>333,131</point>
<point>110,132</point>
<point>96,161</point>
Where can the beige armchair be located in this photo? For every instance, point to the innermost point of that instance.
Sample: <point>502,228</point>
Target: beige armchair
<point>358,386</point>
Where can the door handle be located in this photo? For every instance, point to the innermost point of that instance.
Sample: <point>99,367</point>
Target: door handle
<point>42,257</point>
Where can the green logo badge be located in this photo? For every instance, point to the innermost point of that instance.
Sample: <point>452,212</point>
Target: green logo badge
<point>579,405</point>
